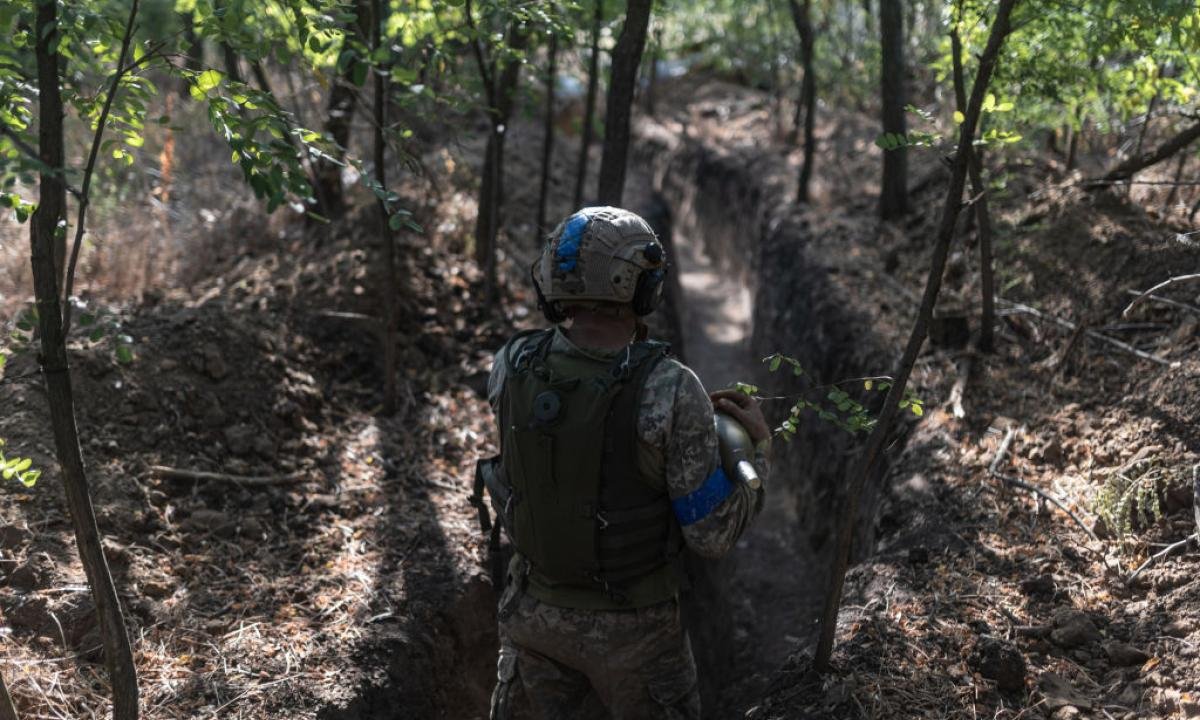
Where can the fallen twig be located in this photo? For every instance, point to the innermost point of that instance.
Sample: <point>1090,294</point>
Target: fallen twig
<point>963,366</point>
<point>1164,301</point>
<point>1027,310</point>
<point>1164,284</point>
<point>168,473</point>
<point>1160,555</point>
<point>1009,479</point>
<point>1002,451</point>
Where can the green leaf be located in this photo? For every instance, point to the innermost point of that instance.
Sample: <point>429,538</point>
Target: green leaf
<point>775,363</point>
<point>917,410</point>
<point>29,479</point>
<point>124,354</point>
<point>959,118</point>
<point>396,222</point>
<point>86,319</point>
<point>208,80</point>
<point>989,102</point>
<point>868,384</point>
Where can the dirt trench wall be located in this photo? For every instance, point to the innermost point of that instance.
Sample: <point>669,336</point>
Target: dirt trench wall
<point>738,204</point>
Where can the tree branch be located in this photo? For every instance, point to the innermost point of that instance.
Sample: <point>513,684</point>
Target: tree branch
<point>1135,164</point>
<point>122,69</point>
<point>1164,284</point>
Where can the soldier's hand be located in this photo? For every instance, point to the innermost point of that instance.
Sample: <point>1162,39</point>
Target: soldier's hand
<point>745,410</point>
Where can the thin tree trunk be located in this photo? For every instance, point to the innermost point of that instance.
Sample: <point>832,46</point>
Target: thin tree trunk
<point>547,140</point>
<point>342,103</point>
<point>589,107</point>
<point>43,228</point>
<point>627,55</point>
<point>652,84</point>
<point>982,212</point>
<point>503,88</point>
<point>1141,141</point>
<point>893,197</point>
<point>194,58</point>
<point>802,18</point>
<point>1178,177</point>
<point>953,204</point>
<point>1073,143</point>
<point>1179,141</point>
<point>232,70</point>
<point>385,229</point>
<point>8,711</point>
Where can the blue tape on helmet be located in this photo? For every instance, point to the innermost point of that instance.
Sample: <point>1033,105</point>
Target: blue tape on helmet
<point>567,252</point>
<point>697,504</point>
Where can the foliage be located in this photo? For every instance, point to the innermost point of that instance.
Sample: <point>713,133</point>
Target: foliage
<point>1132,497</point>
<point>837,407</point>
<point>18,467</point>
<point>1102,59</point>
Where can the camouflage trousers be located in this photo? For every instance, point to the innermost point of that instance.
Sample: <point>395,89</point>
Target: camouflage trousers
<point>595,664</point>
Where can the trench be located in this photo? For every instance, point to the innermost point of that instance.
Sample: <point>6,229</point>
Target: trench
<point>748,282</point>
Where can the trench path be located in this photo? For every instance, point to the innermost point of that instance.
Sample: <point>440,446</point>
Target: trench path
<point>772,587</point>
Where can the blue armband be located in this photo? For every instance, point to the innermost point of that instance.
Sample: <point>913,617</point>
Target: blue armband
<point>697,504</point>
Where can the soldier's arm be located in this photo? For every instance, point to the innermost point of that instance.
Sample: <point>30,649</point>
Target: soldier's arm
<point>713,510</point>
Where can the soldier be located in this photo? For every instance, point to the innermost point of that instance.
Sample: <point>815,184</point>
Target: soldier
<point>609,468</point>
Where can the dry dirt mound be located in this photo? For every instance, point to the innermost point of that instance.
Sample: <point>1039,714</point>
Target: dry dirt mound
<point>982,599</point>
<point>354,564</point>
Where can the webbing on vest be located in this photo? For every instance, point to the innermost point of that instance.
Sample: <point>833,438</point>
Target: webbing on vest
<point>596,532</point>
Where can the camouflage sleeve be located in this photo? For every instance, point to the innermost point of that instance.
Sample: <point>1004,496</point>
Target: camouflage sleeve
<point>497,376</point>
<point>677,420</point>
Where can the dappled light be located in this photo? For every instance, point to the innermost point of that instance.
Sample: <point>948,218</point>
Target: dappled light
<point>360,359</point>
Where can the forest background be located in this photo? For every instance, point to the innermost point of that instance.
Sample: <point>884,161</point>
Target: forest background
<point>253,278</point>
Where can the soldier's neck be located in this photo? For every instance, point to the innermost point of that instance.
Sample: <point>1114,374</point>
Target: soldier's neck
<point>601,332</point>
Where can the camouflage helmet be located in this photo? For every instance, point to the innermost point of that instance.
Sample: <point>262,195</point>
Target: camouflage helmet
<point>600,255</point>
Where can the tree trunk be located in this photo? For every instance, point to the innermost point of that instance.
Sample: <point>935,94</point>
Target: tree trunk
<point>893,197</point>
<point>652,83</point>
<point>491,188</point>
<point>982,212</point>
<point>547,140</point>
<point>388,270</point>
<point>342,102</point>
<point>953,204</point>
<point>8,711</point>
<point>589,107</point>
<point>1141,141</point>
<point>44,228</point>
<point>194,59</point>
<point>627,55</point>
<point>1180,141</point>
<point>802,18</point>
<point>1175,188</point>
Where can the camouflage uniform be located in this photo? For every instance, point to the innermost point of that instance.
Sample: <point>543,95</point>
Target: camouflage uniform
<point>634,663</point>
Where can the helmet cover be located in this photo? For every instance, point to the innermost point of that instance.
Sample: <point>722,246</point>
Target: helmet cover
<point>597,255</point>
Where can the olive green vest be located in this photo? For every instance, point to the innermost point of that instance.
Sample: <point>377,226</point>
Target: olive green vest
<point>596,532</point>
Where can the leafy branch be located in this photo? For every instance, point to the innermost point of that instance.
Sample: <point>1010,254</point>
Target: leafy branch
<point>19,468</point>
<point>837,407</point>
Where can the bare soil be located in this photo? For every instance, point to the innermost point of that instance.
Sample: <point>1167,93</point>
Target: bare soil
<point>355,585</point>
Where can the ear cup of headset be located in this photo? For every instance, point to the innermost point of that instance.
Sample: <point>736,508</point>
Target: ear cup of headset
<point>648,293</point>
<point>550,310</point>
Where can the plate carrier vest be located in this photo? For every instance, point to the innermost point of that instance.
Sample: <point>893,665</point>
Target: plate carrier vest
<point>597,533</point>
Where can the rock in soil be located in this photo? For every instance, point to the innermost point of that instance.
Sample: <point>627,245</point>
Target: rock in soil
<point>1124,654</point>
<point>1073,628</point>
<point>999,661</point>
